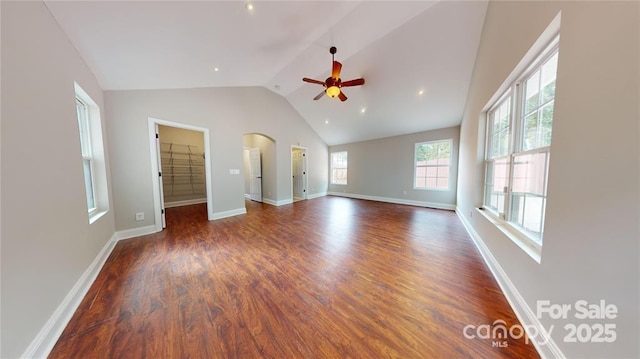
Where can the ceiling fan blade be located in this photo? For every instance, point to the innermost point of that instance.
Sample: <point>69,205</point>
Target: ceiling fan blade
<point>319,96</point>
<point>305,79</point>
<point>356,82</point>
<point>342,96</point>
<point>335,72</point>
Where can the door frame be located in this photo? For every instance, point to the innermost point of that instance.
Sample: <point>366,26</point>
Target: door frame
<point>157,181</point>
<point>306,170</point>
<point>252,176</point>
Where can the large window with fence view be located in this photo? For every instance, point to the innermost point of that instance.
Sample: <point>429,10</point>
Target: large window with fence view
<point>518,147</point>
<point>432,165</point>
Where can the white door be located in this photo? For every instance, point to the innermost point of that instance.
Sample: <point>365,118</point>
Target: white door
<point>255,175</point>
<point>298,166</point>
<point>159,158</point>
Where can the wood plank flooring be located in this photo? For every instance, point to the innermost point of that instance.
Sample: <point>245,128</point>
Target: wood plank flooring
<point>325,278</point>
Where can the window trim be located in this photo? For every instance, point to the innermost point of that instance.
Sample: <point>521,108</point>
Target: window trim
<point>85,142</point>
<point>449,141</point>
<point>332,168</point>
<point>96,155</point>
<point>515,90</point>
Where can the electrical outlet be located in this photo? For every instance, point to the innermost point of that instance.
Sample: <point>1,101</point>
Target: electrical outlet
<point>140,216</point>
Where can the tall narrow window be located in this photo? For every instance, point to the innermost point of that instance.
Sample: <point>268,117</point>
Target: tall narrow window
<point>432,165</point>
<point>339,167</point>
<point>519,146</point>
<point>85,146</point>
<point>92,150</point>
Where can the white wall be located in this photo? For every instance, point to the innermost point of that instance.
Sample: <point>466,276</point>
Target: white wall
<point>384,168</point>
<point>47,241</point>
<point>228,113</point>
<point>590,248</point>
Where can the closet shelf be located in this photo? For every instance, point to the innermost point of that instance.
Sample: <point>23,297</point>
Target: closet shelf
<point>182,169</point>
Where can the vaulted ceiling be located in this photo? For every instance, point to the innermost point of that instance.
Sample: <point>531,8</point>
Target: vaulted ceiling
<point>416,56</point>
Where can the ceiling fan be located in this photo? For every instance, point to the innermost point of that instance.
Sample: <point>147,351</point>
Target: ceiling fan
<point>333,84</point>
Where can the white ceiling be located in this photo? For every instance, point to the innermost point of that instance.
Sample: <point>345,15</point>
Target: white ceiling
<point>398,47</point>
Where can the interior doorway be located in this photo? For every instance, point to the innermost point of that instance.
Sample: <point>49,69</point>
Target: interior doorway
<point>259,168</point>
<point>180,167</point>
<point>298,173</point>
<point>253,164</point>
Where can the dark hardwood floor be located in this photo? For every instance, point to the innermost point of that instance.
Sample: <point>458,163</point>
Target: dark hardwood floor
<point>325,278</point>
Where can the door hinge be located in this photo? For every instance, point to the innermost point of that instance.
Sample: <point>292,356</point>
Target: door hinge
<point>162,211</point>
<point>159,174</point>
<point>304,173</point>
<point>157,136</point>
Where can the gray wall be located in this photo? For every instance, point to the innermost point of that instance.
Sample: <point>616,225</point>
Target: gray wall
<point>47,241</point>
<point>268,159</point>
<point>228,113</point>
<point>384,168</point>
<point>590,249</point>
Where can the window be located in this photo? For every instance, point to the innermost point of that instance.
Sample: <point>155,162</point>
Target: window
<point>339,167</point>
<point>92,150</point>
<point>518,146</point>
<point>87,160</point>
<point>432,165</point>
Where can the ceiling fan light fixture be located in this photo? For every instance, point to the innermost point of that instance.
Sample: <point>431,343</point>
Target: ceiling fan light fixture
<point>333,91</point>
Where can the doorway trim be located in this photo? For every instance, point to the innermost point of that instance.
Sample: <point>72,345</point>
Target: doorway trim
<point>157,181</point>
<point>306,167</point>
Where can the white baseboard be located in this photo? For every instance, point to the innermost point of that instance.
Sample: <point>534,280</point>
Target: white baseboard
<point>186,202</point>
<point>269,201</point>
<point>435,205</point>
<point>277,203</point>
<point>42,344</point>
<point>231,213</point>
<point>316,195</point>
<point>547,348</point>
<point>136,232</point>
<point>247,196</point>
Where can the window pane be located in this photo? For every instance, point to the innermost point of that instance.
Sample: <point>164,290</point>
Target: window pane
<point>497,182</point>
<point>531,93</point>
<point>83,125</point>
<point>530,135</point>
<point>432,172</point>
<point>538,106</point>
<point>548,81</point>
<point>528,195</point>
<point>88,184</point>
<point>443,172</point>
<point>546,125</point>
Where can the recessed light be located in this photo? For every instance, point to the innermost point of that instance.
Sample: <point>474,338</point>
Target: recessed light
<point>363,110</point>
<point>421,92</point>
<point>249,6</point>
<point>326,122</point>
<point>216,69</point>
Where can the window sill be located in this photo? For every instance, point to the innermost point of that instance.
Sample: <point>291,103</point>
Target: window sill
<point>431,189</point>
<point>95,216</point>
<point>516,237</point>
